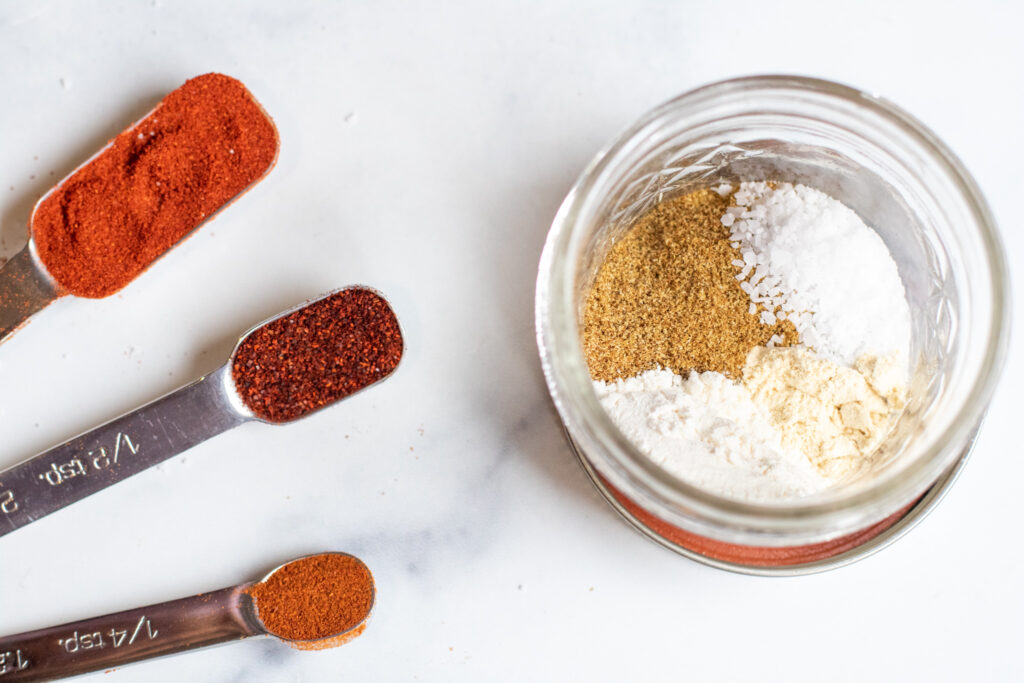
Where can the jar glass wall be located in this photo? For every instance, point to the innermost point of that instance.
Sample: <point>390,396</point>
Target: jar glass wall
<point>900,179</point>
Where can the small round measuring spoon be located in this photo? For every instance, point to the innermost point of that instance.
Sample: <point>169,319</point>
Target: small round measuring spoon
<point>285,368</point>
<point>206,619</point>
<point>31,280</point>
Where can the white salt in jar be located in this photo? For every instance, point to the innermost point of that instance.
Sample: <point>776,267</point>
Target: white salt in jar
<point>905,184</point>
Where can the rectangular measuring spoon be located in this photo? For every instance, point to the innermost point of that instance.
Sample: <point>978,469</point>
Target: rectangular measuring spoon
<point>285,368</point>
<point>132,202</point>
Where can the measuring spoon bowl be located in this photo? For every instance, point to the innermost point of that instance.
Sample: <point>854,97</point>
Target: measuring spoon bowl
<point>327,640</point>
<point>376,299</point>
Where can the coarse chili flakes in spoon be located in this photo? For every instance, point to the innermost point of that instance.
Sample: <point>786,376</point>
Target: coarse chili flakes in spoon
<point>305,360</point>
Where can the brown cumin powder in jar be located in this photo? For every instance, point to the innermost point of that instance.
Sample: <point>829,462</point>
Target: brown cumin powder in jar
<point>666,295</point>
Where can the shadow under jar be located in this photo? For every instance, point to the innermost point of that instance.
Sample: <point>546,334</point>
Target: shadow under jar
<point>906,185</point>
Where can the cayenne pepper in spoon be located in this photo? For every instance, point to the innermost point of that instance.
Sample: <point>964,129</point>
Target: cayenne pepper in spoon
<point>317,601</point>
<point>284,369</point>
<point>154,184</point>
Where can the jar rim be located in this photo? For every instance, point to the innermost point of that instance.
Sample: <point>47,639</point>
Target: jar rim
<point>699,510</point>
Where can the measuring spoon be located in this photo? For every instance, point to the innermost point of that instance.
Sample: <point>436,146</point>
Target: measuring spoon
<point>27,287</point>
<point>147,632</point>
<point>159,430</point>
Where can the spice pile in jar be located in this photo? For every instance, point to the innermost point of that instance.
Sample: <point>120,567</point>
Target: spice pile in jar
<point>322,598</point>
<point>751,340</point>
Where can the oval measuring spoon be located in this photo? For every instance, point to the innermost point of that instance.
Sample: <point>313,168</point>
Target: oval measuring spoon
<point>27,285</point>
<point>166,628</point>
<point>285,368</point>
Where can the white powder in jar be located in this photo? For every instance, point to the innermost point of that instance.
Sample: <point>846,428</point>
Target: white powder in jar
<point>795,425</point>
<point>706,430</point>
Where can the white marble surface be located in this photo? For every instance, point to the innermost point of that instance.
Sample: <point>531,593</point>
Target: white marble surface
<point>426,147</point>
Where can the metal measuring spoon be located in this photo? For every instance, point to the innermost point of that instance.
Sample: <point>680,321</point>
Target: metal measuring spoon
<point>147,632</point>
<point>144,437</point>
<point>26,286</point>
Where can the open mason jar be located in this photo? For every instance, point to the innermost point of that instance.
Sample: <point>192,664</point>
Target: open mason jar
<point>906,185</point>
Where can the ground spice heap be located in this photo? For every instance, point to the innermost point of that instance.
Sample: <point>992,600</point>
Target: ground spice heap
<point>317,355</point>
<point>667,295</point>
<point>205,143</point>
<point>315,597</point>
<point>685,329</point>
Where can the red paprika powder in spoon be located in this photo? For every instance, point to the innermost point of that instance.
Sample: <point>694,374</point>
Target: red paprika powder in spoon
<point>204,144</point>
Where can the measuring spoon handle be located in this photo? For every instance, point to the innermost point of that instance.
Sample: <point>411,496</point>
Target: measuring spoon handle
<point>25,289</point>
<point>117,450</point>
<point>115,639</point>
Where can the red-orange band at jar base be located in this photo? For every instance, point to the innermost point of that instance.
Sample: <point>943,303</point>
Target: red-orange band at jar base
<point>751,556</point>
<point>777,561</point>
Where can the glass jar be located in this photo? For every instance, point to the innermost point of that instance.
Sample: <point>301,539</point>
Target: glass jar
<point>902,181</point>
